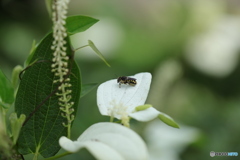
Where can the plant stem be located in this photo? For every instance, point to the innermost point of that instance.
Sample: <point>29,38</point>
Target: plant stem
<point>58,156</point>
<point>36,153</point>
<point>3,119</point>
<point>35,156</point>
<point>81,47</point>
<point>69,130</point>
<point>111,119</point>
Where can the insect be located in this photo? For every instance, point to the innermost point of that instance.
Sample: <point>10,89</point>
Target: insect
<point>126,80</point>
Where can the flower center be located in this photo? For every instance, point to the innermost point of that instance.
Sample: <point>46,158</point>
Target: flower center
<point>120,112</point>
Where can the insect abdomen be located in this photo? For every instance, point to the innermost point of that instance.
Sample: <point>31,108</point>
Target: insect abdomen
<point>132,81</point>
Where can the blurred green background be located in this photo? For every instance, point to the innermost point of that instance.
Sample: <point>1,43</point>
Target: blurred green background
<point>191,47</point>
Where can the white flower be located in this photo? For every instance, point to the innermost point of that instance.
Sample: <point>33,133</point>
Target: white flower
<point>129,101</point>
<point>168,143</point>
<point>107,141</point>
<point>216,51</point>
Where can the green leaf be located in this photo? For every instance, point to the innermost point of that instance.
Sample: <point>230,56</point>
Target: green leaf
<point>75,24</point>
<point>16,125</point>
<point>167,120</point>
<point>86,88</point>
<point>6,91</point>
<point>15,75</point>
<point>36,99</point>
<point>92,45</point>
<point>29,58</point>
<point>49,6</point>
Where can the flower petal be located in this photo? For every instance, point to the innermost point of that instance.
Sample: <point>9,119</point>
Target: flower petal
<point>100,150</point>
<point>145,115</point>
<point>109,93</point>
<point>68,145</point>
<point>122,139</point>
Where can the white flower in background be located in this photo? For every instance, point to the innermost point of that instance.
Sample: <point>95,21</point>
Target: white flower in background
<point>129,101</point>
<point>216,51</point>
<point>107,141</point>
<point>166,143</point>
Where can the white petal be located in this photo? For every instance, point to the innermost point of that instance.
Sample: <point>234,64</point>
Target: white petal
<point>145,115</point>
<point>109,93</point>
<point>68,145</point>
<point>107,140</point>
<point>99,150</point>
<point>122,139</point>
<point>102,151</point>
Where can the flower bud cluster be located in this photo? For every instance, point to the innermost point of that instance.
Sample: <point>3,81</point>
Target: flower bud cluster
<point>60,59</point>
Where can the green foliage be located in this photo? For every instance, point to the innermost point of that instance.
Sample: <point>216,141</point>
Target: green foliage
<point>92,45</point>
<point>37,100</point>
<point>15,75</point>
<point>49,6</point>
<point>86,88</point>
<point>162,33</point>
<point>27,62</point>
<point>36,95</point>
<point>16,124</point>
<point>77,24</point>
<point>6,91</point>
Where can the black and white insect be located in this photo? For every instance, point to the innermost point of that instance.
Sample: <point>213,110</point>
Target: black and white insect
<point>126,80</point>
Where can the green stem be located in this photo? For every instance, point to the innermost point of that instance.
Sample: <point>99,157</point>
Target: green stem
<point>36,153</point>
<point>3,120</point>
<point>67,110</point>
<point>58,156</point>
<point>111,119</point>
<point>80,47</point>
<point>69,130</point>
<point>35,156</point>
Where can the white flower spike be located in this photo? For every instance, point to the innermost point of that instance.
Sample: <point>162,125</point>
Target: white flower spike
<point>128,101</point>
<point>107,141</point>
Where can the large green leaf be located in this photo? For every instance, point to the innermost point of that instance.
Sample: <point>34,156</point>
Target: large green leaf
<point>6,91</point>
<point>36,99</point>
<point>77,24</point>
